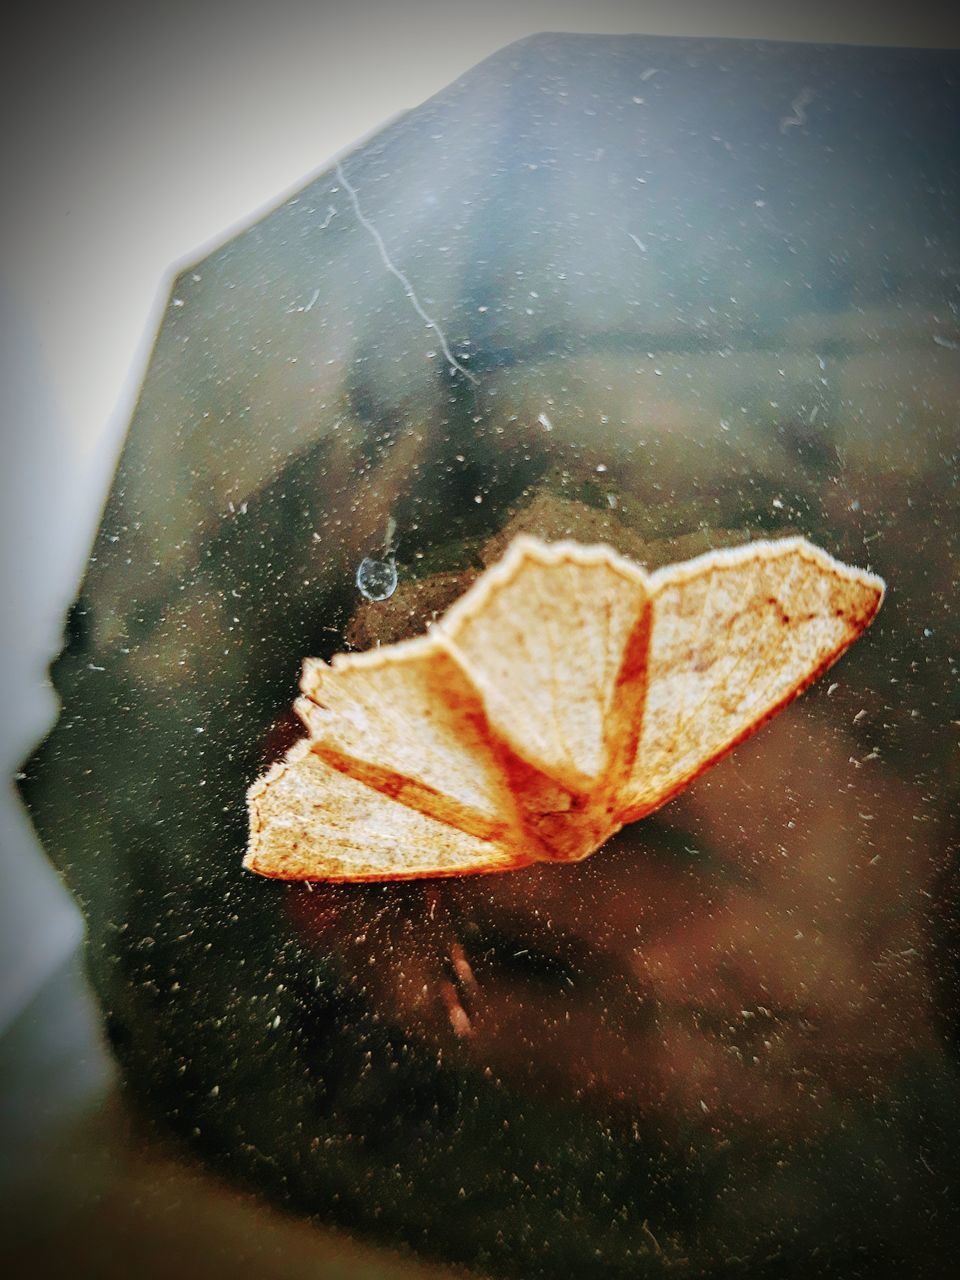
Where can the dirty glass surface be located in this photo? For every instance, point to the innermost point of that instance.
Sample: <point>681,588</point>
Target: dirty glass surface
<point>664,294</point>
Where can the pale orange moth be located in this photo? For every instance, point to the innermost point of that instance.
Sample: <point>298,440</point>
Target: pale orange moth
<point>567,693</point>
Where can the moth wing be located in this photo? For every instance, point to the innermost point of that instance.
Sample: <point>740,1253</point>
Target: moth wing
<point>406,720</point>
<point>549,637</point>
<point>735,636</point>
<point>309,821</point>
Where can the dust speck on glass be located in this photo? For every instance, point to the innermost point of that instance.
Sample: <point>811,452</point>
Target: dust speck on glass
<point>669,295</point>
<point>377,579</point>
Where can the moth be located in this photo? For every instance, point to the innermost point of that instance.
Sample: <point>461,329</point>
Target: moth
<point>567,693</point>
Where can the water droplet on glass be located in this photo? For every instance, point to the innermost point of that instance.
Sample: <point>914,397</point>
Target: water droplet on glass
<point>377,579</point>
